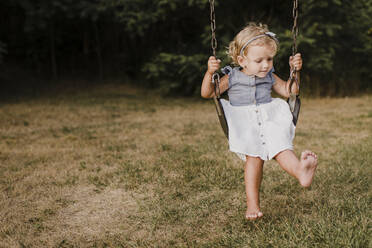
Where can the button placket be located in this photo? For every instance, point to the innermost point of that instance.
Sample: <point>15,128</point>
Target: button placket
<point>260,127</point>
<point>259,121</point>
<point>262,138</point>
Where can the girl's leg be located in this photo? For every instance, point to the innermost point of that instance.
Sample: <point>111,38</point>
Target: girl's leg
<point>252,178</point>
<point>302,169</point>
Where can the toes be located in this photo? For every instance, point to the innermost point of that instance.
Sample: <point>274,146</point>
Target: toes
<point>306,154</point>
<point>312,154</point>
<point>251,216</point>
<point>254,216</point>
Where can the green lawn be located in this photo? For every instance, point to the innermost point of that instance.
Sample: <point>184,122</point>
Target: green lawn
<point>119,167</point>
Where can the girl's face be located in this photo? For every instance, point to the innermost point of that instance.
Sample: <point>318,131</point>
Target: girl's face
<point>259,60</point>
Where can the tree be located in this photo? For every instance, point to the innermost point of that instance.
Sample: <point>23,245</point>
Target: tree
<point>165,43</point>
<point>3,51</point>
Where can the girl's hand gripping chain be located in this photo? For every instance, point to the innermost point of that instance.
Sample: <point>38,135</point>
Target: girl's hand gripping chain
<point>295,62</point>
<point>213,65</point>
<point>207,88</point>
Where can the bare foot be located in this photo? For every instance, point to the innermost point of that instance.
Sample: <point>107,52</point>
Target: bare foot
<point>309,162</point>
<point>253,214</point>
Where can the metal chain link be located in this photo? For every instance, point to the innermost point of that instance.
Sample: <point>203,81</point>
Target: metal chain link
<point>293,74</point>
<point>215,76</point>
<point>295,27</point>
<point>213,27</point>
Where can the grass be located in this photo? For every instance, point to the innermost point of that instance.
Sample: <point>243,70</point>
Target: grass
<point>119,167</point>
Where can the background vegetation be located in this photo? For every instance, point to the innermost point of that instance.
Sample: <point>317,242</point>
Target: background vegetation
<point>164,44</point>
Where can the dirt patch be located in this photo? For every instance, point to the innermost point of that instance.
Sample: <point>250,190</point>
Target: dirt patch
<point>92,215</point>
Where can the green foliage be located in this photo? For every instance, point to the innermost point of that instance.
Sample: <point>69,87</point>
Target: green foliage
<point>138,16</point>
<point>324,39</point>
<point>170,40</point>
<point>341,53</point>
<point>175,74</point>
<point>340,30</point>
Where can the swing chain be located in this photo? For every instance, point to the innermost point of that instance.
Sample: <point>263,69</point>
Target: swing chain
<point>293,74</point>
<point>216,82</point>
<point>295,26</point>
<point>213,27</point>
<point>215,76</point>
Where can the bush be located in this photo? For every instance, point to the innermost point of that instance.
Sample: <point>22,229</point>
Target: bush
<point>176,74</point>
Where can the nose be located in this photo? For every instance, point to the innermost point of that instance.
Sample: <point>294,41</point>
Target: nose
<point>265,64</point>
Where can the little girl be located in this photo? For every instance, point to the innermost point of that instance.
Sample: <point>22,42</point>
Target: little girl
<point>260,127</point>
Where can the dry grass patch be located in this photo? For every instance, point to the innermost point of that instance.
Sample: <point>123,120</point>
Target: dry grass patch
<point>91,216</point>
<point>119,167</point>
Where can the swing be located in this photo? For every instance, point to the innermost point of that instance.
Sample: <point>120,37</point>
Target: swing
<point>293,101</point>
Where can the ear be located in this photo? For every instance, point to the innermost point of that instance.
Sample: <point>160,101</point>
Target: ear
<point>241,60</point>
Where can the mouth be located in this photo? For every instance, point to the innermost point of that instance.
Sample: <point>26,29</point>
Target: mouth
<point>262,73</point>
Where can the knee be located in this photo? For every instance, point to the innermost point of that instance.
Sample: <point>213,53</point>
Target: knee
<point>253,161</point>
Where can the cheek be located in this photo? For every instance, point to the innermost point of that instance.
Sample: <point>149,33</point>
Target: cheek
<point>256,66</point>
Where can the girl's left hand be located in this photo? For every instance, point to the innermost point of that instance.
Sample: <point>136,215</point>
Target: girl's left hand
<point>295,62</point>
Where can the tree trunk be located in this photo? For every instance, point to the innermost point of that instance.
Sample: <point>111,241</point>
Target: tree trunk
<point>98,51</point>
<point>52,47</point>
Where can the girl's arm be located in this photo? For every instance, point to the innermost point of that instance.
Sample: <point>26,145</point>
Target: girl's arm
<point>207,88</point>
<point>282,87</point>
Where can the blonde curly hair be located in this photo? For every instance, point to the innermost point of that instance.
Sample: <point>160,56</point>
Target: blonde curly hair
<point>247,33</point>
